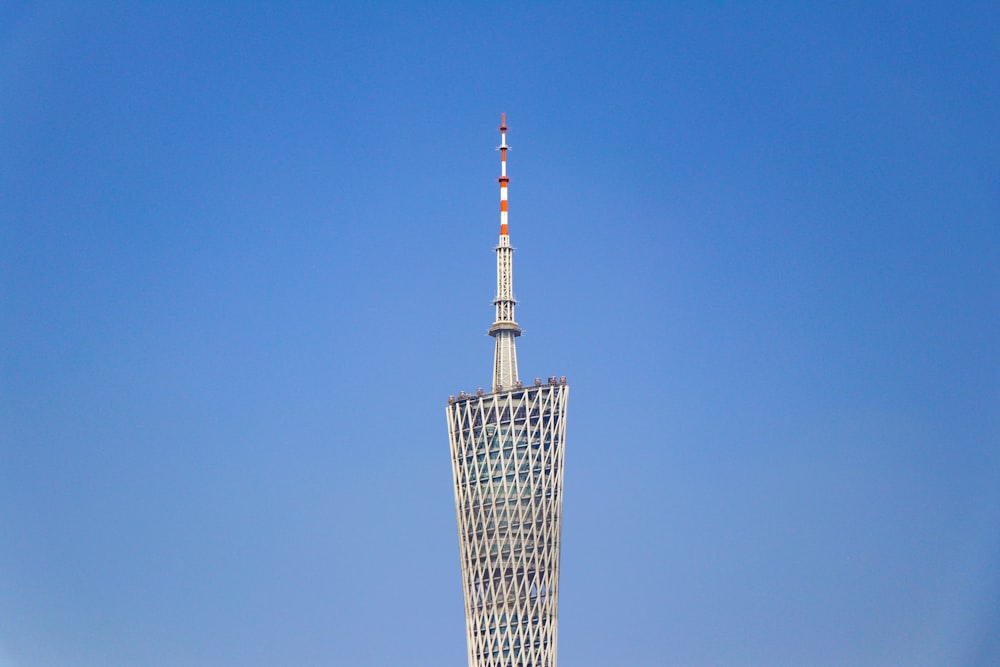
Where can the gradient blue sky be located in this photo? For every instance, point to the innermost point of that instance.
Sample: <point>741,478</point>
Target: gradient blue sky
<point>246,254</point>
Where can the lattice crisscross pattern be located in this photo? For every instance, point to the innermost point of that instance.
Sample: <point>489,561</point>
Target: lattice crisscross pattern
<point>507,457</point>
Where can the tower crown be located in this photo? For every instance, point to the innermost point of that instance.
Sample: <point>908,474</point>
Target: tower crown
<point>504,328</point>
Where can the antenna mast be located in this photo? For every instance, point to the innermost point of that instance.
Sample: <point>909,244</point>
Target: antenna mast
<point>505,328</point>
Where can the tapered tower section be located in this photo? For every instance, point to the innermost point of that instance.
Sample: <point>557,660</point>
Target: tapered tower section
<point>505,328</point>
<point>507,450</point>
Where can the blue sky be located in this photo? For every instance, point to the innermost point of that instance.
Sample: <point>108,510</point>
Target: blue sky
<point>246,253</point>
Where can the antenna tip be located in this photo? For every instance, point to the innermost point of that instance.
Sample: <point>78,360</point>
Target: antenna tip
<point>503,122</point>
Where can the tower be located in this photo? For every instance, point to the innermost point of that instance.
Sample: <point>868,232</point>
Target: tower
<point>507,449</point>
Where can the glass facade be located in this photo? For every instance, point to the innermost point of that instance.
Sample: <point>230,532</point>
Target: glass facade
<point>507,459</point>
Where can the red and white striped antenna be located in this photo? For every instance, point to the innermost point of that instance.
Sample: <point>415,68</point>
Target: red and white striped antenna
<point>503,174</point>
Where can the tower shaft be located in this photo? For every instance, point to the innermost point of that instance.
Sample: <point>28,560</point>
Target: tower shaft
<point>507,453</point>
<point>507,448</point>
<point>504,328</point>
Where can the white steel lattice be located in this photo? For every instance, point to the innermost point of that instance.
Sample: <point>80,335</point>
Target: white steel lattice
<point>507,457</point>
<point>505,329</point>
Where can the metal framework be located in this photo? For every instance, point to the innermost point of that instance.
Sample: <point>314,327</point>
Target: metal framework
<point>504,329</point>
<point>507,450</point>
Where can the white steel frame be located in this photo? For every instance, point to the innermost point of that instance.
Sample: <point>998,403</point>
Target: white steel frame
<point>505,329</point>
<point>507,452</point>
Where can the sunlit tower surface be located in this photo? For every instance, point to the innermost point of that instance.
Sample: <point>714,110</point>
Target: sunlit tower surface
<point>507,458</point>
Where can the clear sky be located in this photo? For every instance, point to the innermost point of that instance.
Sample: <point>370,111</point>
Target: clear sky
<point>246,253</point>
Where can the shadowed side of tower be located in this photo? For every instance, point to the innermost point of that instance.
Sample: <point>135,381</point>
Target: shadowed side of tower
<point>507,450</point>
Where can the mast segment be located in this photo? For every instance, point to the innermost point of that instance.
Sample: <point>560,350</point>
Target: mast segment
<point>505,328</point>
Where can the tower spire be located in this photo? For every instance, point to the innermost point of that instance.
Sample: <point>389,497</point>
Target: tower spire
<point>503,174</point>
<point>505,328</point>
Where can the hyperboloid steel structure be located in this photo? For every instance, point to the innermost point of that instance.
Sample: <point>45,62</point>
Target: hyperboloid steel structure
<point>507,451</point>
